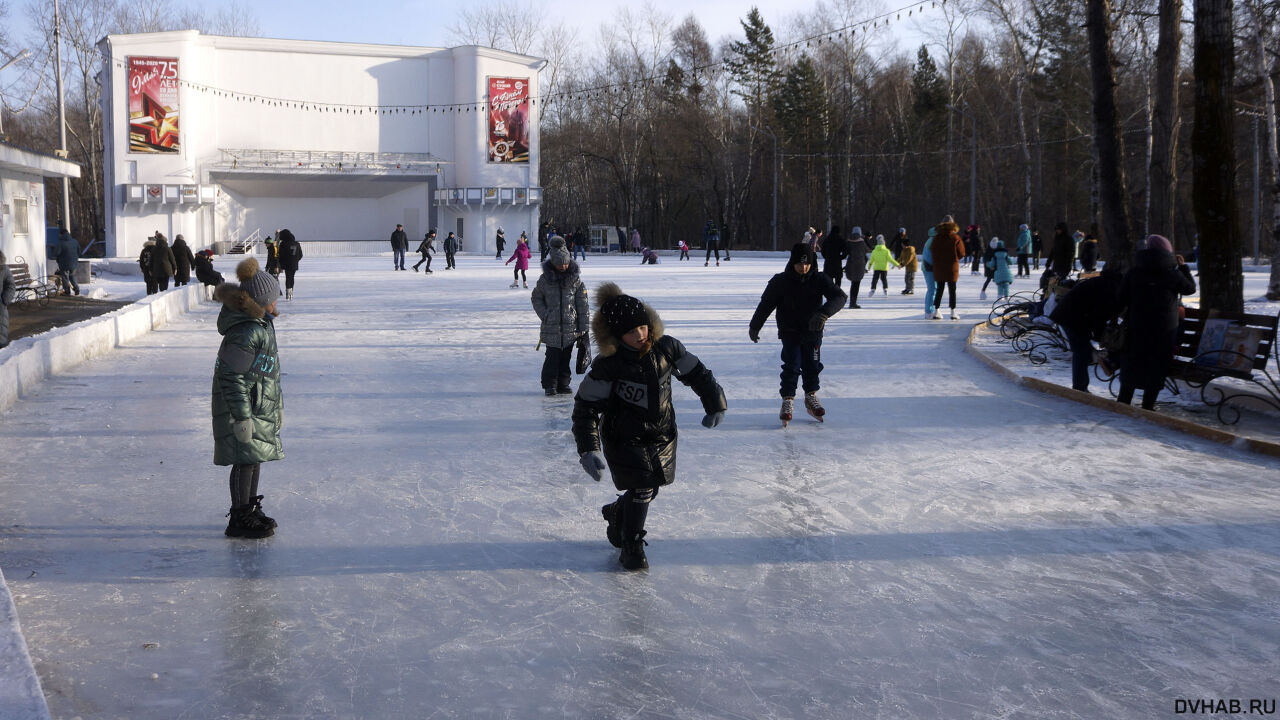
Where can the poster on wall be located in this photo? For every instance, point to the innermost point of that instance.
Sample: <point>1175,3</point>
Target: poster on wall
<point>508,120</point>
<point>153,105</point>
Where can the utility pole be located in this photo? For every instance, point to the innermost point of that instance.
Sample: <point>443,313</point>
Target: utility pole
<point>775,184</point>
<point>62,116</point>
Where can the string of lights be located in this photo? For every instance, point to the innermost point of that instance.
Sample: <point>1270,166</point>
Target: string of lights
<point>479,106</point>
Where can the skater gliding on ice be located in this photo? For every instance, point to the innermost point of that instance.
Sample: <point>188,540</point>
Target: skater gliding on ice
<point>560,300</point>
<point>624,406</point>
<point>804,299</point>
<point>521,255</point>
<point>247,405</point>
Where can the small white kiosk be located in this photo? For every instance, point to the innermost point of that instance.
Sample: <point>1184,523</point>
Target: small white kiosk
<point>22,204</point>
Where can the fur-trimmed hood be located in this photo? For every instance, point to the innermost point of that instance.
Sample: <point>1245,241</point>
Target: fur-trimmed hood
<point>605,340</point>
<point>237,306</point>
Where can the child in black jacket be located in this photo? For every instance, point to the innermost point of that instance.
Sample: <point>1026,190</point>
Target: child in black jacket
<point>624,406</point>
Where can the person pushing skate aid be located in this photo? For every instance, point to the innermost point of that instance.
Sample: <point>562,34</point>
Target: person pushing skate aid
<point>623,419</point>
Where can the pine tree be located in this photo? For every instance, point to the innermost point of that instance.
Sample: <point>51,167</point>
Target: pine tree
<point>751,62</point>
<point>928,87</point>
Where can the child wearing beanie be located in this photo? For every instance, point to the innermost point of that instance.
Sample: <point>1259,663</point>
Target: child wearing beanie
<point>623,418</point>
<point>804,299</point>
<point>879,263</point>
<point>560,300</point>
<point>247,405</point>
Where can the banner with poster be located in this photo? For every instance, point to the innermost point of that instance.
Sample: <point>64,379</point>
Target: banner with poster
<point>153,105</point>
<point>508,120</point>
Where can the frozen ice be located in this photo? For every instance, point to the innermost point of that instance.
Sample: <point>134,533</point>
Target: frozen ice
<point>946,545</point>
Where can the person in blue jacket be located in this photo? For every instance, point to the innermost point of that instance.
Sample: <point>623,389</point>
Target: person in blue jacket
<point>998,265</point>
<point>1023,248</point>
<point>926,268</point>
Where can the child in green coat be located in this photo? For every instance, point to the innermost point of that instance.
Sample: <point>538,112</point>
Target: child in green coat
<point>880,260</point>
<point>248,407</point>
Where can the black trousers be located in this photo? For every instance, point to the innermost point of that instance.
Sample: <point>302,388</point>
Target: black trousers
<point>288,277</point>
<point>448,260</point>
<point>1024,267</point>
<point>555,367</point>
<point>951,290</point>
<point>244,484</point>
<point>162,283</point>
<point>426,258</point>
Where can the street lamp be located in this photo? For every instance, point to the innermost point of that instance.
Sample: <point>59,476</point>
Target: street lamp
<point>973,161</point>
<point>775,183</point>
<point>23,53</point>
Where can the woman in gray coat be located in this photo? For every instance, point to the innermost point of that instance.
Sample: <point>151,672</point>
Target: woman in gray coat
<point>560,299</point>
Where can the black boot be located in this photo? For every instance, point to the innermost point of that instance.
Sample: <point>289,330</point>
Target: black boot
<point>262,517</point>
<point>614,530</point>
<point>632,556</point>
<point>244,524</point>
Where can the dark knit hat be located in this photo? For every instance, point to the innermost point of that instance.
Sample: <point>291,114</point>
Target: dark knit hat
<point>623,314</point>
<point>1159,241</point>
<point>802,252</point>
<point>263,288</point>
<point>558,254</point>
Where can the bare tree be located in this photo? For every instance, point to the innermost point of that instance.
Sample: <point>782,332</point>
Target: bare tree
<point>1267,61</point>
<point>1106,135</point>
<point>1165,121</point>
<point>1213,152</point>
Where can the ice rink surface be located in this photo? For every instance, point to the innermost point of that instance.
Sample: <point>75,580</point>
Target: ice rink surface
<point>946,545</point>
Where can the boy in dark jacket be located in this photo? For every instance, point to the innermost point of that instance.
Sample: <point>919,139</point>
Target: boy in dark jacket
<point>798,294</point>
<point>248,407</point>
<point>624,406</point>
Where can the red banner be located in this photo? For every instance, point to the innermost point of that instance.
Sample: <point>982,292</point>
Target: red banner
<point>153,105</point>
<point>508,120</point>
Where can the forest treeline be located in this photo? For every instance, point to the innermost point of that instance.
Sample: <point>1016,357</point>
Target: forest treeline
<point>987,113</point>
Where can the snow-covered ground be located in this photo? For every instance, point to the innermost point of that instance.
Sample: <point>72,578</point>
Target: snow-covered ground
<point>946,545</point>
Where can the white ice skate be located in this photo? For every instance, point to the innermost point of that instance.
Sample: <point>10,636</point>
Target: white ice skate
<point>954,316</point>
<point>788,406</point>
<point>813,407</point>
<point>514,285</point>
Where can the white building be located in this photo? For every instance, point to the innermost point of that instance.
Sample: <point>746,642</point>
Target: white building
<point>22,199</point>
<point>218,138</point>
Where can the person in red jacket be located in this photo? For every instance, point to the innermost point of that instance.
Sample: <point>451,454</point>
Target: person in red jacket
<point>947,248</point>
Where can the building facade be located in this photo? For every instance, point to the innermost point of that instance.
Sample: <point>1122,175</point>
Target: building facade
<point>22,204</point>
<point>227,138</point>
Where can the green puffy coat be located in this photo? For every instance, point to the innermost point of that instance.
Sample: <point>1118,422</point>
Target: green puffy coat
<point>246,381</point>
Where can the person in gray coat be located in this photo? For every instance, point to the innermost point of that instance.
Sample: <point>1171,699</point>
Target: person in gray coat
<point>560,299</point>
<point>8,292</point>
<point>68,259</point>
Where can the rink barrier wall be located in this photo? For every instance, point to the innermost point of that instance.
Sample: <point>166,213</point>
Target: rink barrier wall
<point>28,361</point>
<point>20,694</point>
<point>1173,423</point>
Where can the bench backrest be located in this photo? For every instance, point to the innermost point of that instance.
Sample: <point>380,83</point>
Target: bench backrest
<point>1191,331</point>
<point>21,274</point>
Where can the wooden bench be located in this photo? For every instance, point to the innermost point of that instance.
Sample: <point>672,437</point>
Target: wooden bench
<point>29,289</point>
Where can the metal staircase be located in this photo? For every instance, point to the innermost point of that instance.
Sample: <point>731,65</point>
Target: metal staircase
<point>246,245</point>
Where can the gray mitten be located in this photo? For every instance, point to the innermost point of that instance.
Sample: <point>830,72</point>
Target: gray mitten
<point>593,462</point>
<point>711,420</point>
<point>243,430</point>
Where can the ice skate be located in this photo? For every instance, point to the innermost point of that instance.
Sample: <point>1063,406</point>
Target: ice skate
<point>954,316</point>
<point>288,294</point>
<point>244,524</point>
<point>526,285</point>
<point>813,407</point>
<point>788,409</point>
<point>614,529</point>
<point>514,285</point>
<point>936,316</point>
<point>632,555</point>
<point>982,295</point>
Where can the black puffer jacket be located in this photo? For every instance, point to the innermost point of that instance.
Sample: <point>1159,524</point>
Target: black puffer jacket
<point>856,267</point>
<point>183,259</point>
<point>797,298</point>
<point>1090,304</point>
<point>290,250</point>
<point>1150,296</point>
<point>834,251</point>
<point>624,403</point>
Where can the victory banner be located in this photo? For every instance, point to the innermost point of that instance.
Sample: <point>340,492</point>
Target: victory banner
<point>153,105</point>
<point>508,120</point>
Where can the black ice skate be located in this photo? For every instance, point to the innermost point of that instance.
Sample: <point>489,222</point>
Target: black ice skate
<point>244,524</point>
<point>262,517</point>
<point>632,555</point>
<point>614,530</point>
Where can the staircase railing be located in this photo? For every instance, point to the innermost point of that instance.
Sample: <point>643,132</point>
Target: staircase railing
<point>246,245</point>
